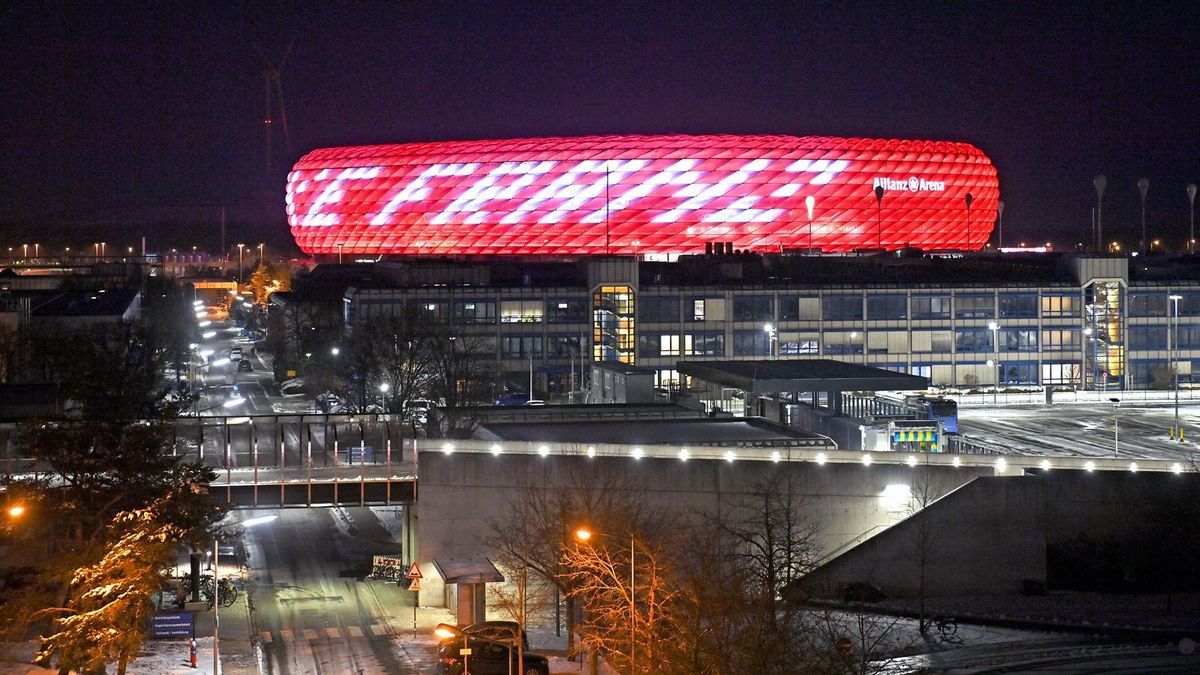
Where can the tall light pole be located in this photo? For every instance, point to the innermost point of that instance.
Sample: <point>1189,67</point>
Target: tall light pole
<point>769,329</point>
<point>1191,193</point>
<point>241,248</point>
<point>810,201</point>
<point>1000,225</point>
<point>584,535</point>
<point>968,199</point>
<point>879,214</point>
<point>1143,186</point>
<point>1116,402</point>
<point>1099,182</point>
<point>995,328</point>
<point>1175,365</point>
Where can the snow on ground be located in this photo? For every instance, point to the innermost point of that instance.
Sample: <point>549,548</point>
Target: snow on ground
<point>1069,608</point>
<point>170,657</point>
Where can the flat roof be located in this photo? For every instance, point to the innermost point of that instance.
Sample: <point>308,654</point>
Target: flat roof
<point>774,376</point>
<point>696,431</point>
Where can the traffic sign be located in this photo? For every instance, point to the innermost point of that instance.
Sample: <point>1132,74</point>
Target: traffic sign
<point>414,572</point>
<point>465,651</point>
<point>415,585</point>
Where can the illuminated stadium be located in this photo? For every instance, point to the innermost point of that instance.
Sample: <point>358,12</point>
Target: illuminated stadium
<point>638,195</point>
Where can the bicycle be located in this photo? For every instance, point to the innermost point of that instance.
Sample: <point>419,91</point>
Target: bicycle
<point>947,626</point>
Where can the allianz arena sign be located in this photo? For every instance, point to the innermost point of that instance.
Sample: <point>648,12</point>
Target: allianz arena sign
<point>640,195</point>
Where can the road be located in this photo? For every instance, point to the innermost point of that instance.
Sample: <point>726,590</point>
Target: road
<point>311,611</point>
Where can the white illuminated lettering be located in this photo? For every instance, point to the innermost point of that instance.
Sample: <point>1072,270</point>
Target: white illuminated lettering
<point>605,174</point>
<point>679,173</point>
<point>333,193</point>
<point>489,188</point>
<point>701,194</point>
<point>417,190</point>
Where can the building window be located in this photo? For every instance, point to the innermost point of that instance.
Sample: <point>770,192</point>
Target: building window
<point>1189,304</point>
<point>704,343</point>
<point>1060,373</point>
<point>921,370</point>
<point>753,308</point>
<point>751,343</point>
<point>932,341</point>
<point>795,344</point>
<point>614,328</point>
<point>1018,305</point>
<point>1060,305</point>
<point>1060,340</point>
<point>1189,337</point>
<point>1148,337</point>
<point>475,312</point>
<point>799,308</point>
<point>659,344</point>
<point>567,310</point>
<point>843,342</point>
<point>1021,372</point>
<point>1151,373</point>
<point>431,311</point>
<point>521,311</point>
<point>1148,304</point>
<point>1019,339</point>
<point>842,308</point>
<point>887,308</point>
<point>887,342</point>
<point>520,346</point>
<point>975,306</point>
<point>564,346</point>
<point>659,309</point>
<point>705,309</point>
<point>931,307</point>
<point>973,340</point>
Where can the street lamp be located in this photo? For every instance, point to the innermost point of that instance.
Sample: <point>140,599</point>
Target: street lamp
<point>809,202</point>
<point>584,535</point>
<point>772,336</point>
<point>1175,298</point>
<point>1000,225</point>
<point>879,214</point>
<point>968,199</point>
<point>995,328</point>
<point>1143,186</point>
<point>241,247</point>
<point>1116,402</point>
<point>16,511</point>
<point>1191,193</point>
<point>1099,182</point>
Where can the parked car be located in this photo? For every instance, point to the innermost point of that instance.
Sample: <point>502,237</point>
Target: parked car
<point>292,386</point>
<point>327,401</point>
<point>417,410</point>
<point>235,353</point>
<point>535,402</point>
<point>501,631</point>
<point>486,658</point>
<point>513,398</point>
<point>244,366</point>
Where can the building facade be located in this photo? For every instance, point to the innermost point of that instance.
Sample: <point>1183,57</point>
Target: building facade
<point>1071,321</point>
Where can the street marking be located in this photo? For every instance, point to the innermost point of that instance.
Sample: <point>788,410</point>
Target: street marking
<point>380,629</point>
<point>265,637</point>
<point>285,635</point>
<point>310,634</point>
<point>333,632</point>
<point>354,631</point>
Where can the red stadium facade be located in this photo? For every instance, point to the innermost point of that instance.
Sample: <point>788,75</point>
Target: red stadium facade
<point>642,195</point>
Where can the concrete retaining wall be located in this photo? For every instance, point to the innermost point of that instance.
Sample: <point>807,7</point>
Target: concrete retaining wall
<point>987,537</point>
<point>460,492</point>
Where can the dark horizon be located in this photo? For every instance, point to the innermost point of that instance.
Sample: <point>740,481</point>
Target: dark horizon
<point>151,117</point>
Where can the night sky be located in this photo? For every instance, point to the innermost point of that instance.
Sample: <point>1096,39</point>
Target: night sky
<point>145,118</point>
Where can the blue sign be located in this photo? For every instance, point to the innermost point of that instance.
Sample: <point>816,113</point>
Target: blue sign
<point>173,624</point>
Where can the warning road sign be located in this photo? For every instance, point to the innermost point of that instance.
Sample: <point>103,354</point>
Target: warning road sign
<point>415,585</point>
<point>414,572</point>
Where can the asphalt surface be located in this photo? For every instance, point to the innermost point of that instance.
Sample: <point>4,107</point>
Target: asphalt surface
<point>311,610</point>
<point>1134,432</point>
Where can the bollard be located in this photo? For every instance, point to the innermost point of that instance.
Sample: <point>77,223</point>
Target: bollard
<point>192,655</point>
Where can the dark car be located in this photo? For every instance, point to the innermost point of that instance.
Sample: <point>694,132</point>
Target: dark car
<point>486,658</point>
<point>244,366</point>
<point>513,398</point>
<point>500,631</point>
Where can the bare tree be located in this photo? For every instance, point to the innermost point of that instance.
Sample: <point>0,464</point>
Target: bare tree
<point>462,375</point>
<point>927,488</point>
<point>541,523</point>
